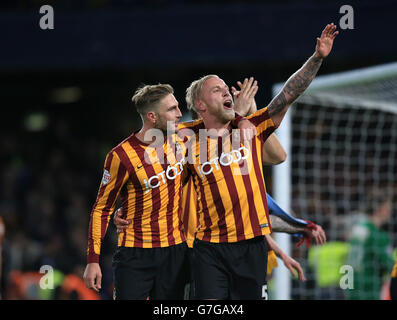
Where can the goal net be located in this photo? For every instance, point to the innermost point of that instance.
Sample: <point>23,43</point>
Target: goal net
<point>341,140</point>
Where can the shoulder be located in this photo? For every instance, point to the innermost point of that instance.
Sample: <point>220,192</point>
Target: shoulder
<point>194,125</point>
<point>259,113</point>
<point>261,118</point>
<point>189,124</point>
<point>122,150</point>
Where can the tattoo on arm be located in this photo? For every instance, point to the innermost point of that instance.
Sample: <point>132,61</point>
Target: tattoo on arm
<point>295,85</point>
<point>279,225</point>
<point>277,104</point>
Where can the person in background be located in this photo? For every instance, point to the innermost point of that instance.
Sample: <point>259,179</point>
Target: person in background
<point>370,252</point>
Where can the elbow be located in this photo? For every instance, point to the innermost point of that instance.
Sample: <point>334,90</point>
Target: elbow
<point>283,157</point>
<point>276,122</point>
<point>275,159</point>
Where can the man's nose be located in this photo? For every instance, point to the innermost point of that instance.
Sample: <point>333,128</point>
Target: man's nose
<point>226,92</point>
<point>179,113</point>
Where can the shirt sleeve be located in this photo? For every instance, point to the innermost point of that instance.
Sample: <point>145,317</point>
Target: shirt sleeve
<point>275,209</point>
<point>196,125</point>
<point>189,128</point>
<point>114,177</point>
<point>263,123</point>
<point>237,119</point>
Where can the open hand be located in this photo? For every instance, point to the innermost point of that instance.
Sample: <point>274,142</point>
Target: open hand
<point>244,100</point>
<point>326,40</point>
<point>312,232</point>
<point>293,266</point>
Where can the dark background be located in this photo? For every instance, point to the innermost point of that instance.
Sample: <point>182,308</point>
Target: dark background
<point>65,93</point>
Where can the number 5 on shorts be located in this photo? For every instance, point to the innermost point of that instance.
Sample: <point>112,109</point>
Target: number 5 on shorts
<point>264,292</point>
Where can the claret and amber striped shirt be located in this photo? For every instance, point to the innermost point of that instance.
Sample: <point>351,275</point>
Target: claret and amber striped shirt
<point>150,192</point>
<point>189,212</point>
<point>228,179</point>
<point>149,189</point>
<point>190,222</point>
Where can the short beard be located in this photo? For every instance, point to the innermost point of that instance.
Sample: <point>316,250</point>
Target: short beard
<point>161,127</point>
<point>164,128</point>
<point>224,117</point>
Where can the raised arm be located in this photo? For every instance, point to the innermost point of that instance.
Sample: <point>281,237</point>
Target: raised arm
<point>301,79</point>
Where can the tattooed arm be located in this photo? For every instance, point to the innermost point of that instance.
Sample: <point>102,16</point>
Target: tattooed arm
<point>316,232</point>
<point>279,225</point>
<point>301,79</point>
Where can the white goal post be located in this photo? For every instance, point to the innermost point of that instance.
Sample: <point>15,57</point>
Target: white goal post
<point>340,136</point>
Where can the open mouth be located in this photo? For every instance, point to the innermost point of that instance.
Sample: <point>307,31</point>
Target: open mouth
<point>228,105</point>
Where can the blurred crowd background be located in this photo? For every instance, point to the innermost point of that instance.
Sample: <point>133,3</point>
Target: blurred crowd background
<point>65,97</point>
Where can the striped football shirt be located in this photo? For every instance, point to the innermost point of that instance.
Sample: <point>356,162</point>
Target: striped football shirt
<point>228,179</point>
<point>148,181</point>
<point>190,222</point>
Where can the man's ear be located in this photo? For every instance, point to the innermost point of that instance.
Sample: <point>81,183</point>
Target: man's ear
<point>200,105</point>
<point>152,117</point>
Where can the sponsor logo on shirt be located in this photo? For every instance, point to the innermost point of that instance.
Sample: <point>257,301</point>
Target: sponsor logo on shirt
<point>106,177</point>
<point>170,173</point>
<point>226,159</point>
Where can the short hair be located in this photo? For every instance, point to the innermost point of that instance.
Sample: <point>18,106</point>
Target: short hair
<point>194,91</point>
<point>147,96</point>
